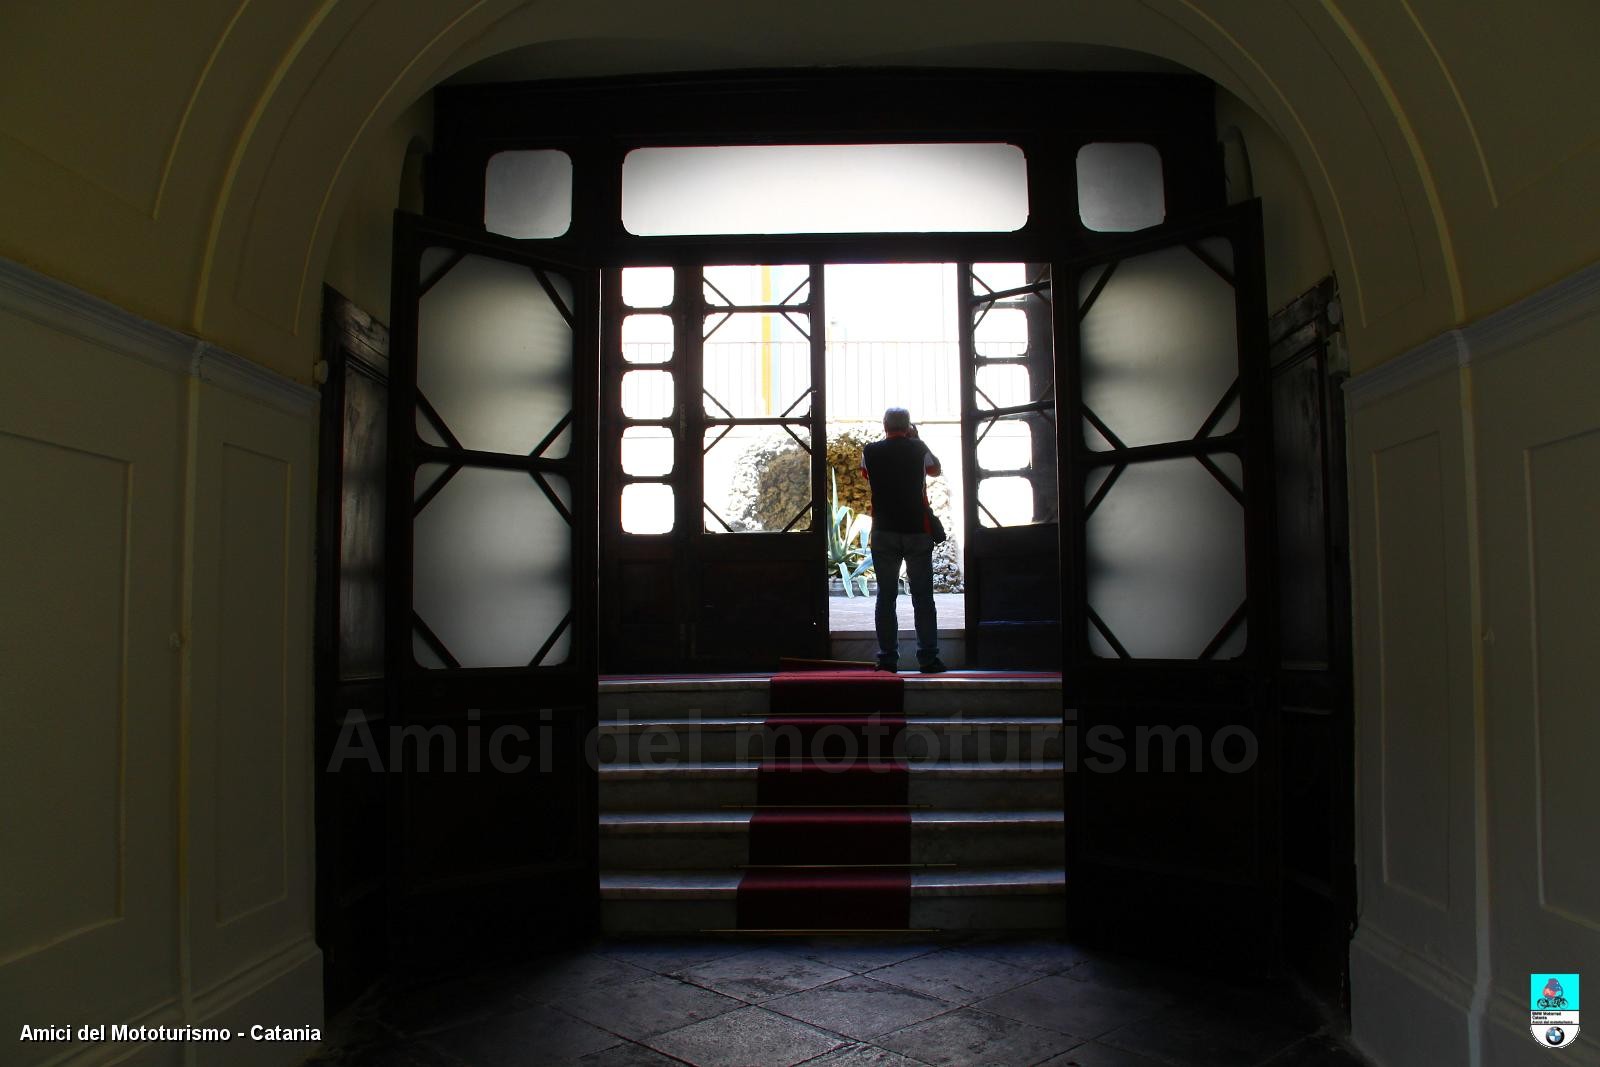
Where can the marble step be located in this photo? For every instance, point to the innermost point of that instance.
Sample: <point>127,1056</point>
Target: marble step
<point>660,739</point>
<point>999,898</point>
<point>985,786</point>
<point>933,694</point>
<point>719,840</point>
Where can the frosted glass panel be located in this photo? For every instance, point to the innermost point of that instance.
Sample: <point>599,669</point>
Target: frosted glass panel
<point>1119,187</point>
<point>528,193</point>
<point>647,287</point>
<point>646,451</point>
<point>1165,553</point>
<point>492,566</point>
<point>1159,345</point>
<point>494,355</point>
<point>647,394</point>
<point>1008,446</point>
<point>879,188</point>
<point>647,338</point>
<point>756,365</point>
<point>427,433</point>
<point>647,508</point>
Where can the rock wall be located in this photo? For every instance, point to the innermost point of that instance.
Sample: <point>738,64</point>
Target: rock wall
<point>771,482</point>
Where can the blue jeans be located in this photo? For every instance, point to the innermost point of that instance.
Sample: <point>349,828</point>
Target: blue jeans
<point>916,550</point>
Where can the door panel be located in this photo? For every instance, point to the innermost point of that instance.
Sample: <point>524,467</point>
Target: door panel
<point>353,889</point>
<point>491,604</point>
<point>1172,803</point>
<point>1314,665</point>
<point>714,545</point>
<point>1009,453</point>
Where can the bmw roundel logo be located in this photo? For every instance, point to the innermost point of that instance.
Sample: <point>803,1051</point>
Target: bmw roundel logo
<point>1555,1036</point>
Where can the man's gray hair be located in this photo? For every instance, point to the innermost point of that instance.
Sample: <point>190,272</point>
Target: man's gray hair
<point>896,420</point>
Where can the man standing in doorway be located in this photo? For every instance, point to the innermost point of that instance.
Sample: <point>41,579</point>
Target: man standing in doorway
<point>901,531</point>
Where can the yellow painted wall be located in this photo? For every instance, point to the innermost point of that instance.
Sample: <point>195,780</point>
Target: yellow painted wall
<point>155,693</point>
<point>193,163</point>
<point>358,261</point>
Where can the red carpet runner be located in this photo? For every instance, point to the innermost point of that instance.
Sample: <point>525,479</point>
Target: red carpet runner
<point>831,836</point>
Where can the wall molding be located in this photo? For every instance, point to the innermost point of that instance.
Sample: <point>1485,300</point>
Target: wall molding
<point>67,309</point>
<point>256,976</point>
<point>1572,299</point>
<point>219,367</point>
<point>1509,1016</point>
<point>1433,975</point>
<point>1569,300</point>
<point>1445,353</point>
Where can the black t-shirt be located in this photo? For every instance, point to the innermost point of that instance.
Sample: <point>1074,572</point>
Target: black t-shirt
<point>895,467</point>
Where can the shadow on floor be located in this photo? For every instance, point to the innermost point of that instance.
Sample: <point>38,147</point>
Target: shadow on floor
<point>893,1002</point>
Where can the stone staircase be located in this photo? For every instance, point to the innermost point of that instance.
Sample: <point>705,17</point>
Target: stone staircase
<point>678,787</point>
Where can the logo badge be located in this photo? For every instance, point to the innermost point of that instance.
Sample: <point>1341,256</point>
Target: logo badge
<point>1553,1008</point>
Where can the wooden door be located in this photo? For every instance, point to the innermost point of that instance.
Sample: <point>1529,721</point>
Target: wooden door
<point>713,450</point>
<point>1172,797</point>
<point>1314,666</point>
<point>1009,455</point>
<point>491,606</point>
<point>353,694</point>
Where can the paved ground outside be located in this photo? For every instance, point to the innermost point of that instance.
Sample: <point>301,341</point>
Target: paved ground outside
<point>854,614</point>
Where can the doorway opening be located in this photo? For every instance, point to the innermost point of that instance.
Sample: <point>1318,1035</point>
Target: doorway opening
<point>747,393</point>
<point>893,339</point>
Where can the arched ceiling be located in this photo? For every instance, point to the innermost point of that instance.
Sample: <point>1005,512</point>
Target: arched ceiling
<point>191,161</point>
<point>613,56</point>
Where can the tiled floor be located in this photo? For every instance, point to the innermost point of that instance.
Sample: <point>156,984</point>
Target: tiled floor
<point>832,1003</point>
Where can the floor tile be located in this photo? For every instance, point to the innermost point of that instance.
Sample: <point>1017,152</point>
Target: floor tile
<point>628,1054</point>
<point>1094,1054</point>
<point>968,1036</point>
<point>1195,1036</point>
<point>665,955</point>
<point>863,1056</point>
<point>423,1007</point>
<point>748,1037</point>
<point>563,977</point>
<point>1076,1008</point>
<point>529,1038</point>
<point>1044,955</point>
<point>859,1007</point>
<point>642,1009</point>
<point>761,975</point>
<point>1319,1050</point>
<point>859,956</point>
<point>954,976</point>
<point>393,1052</point>
<point>1138,975</point>
<point>603,1007</point>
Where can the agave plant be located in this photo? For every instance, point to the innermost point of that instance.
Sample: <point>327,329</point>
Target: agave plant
<point>849,544</point>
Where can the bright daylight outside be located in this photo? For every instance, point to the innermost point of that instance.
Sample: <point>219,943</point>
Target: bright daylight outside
<point>891,338</point>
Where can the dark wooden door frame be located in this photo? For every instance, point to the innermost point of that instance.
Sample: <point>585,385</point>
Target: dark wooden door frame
<point>1233,917</point>
<point>679,568</point>
<point>1315,683</point>
<point>493,861</point>
<point>352,897</point>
